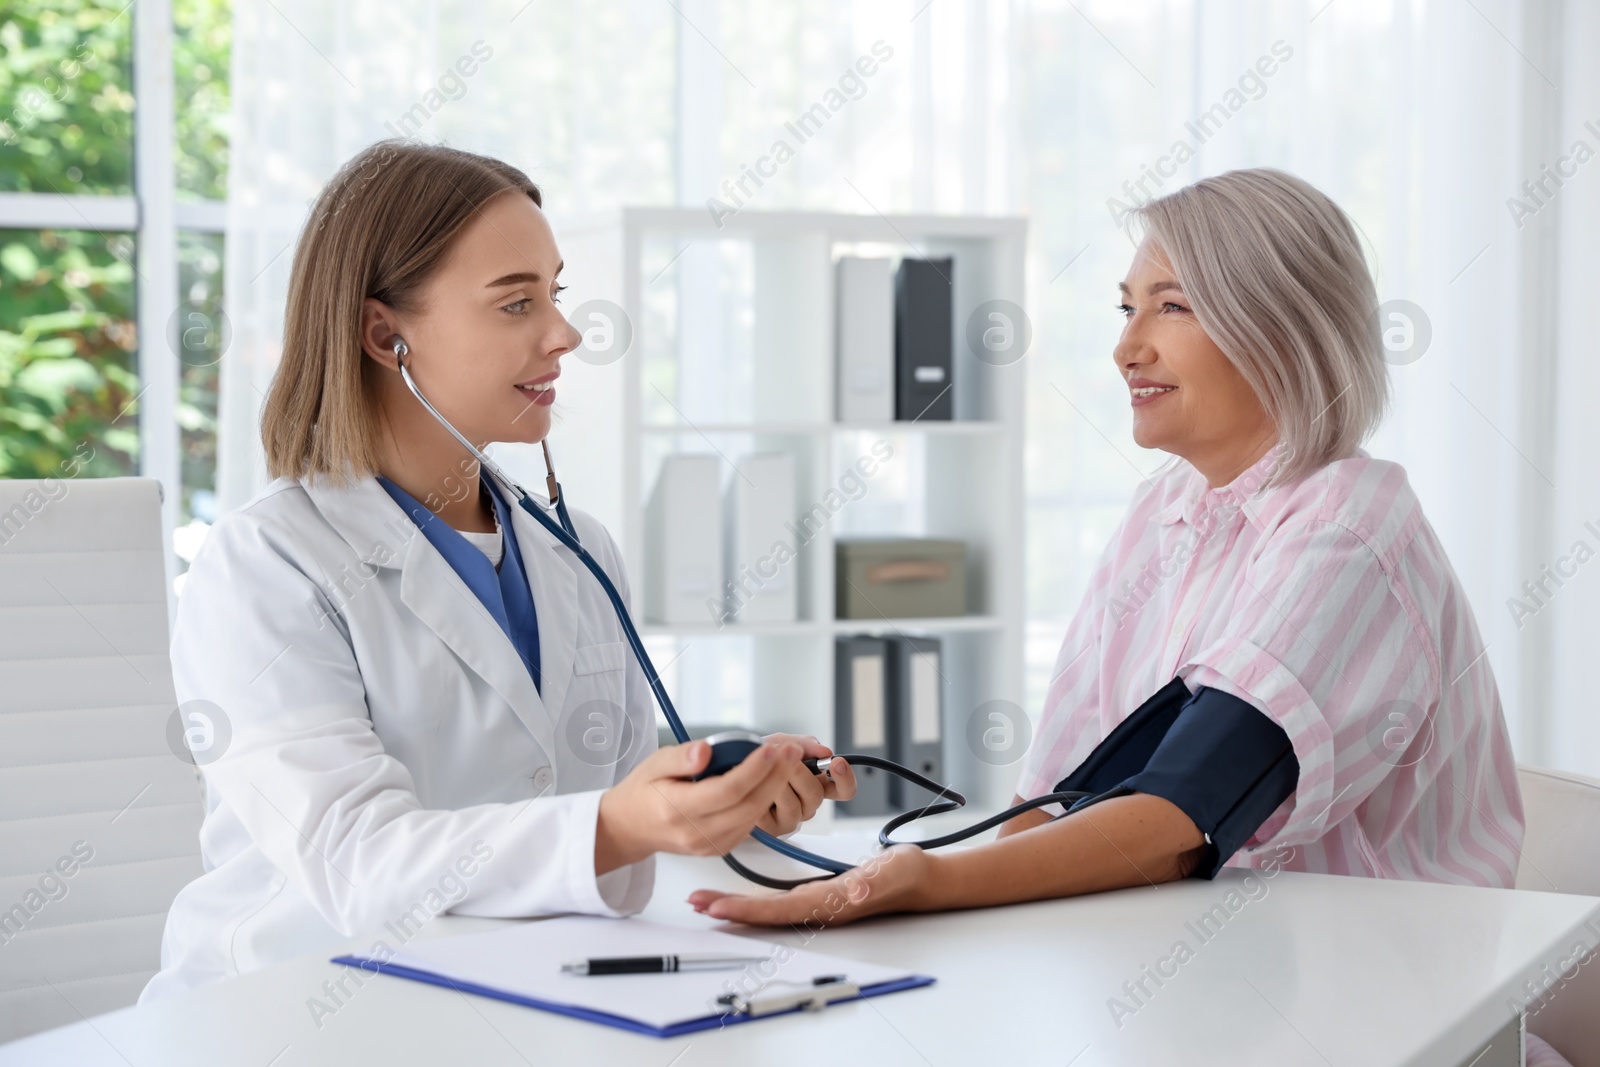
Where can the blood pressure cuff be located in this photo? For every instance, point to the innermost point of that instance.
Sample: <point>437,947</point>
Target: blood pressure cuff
<point>1219,759</point>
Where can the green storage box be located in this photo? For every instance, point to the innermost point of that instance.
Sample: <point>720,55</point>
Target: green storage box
<point>900,578</point>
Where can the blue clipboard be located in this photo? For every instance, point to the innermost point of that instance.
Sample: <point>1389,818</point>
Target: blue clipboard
<point>710,1022</point>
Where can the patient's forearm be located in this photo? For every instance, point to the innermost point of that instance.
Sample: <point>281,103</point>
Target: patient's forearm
<point>1132,840</point>
<point>1026,821</point>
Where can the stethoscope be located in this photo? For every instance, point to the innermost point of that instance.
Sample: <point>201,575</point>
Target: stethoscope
<point>945,798</point>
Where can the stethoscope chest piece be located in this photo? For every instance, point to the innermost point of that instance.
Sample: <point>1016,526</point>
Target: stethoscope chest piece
<point>729,748</point>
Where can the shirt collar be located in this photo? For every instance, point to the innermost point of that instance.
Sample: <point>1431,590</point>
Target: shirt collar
<point>442,534</point>
<point>1248,492</point>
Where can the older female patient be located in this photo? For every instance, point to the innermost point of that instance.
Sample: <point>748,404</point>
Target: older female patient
<point>1275,626</point>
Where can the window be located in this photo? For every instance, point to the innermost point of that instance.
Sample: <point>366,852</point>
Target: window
<point>81,343</point>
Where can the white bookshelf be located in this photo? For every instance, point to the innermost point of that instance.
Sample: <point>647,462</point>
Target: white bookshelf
<point>747,313</point>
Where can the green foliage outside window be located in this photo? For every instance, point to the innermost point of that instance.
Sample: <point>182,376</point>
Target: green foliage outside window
<point>68,343</point>
<point>201,51</point>
<point>200,320</point>
<point>66,97</point>
<point>66,352</point>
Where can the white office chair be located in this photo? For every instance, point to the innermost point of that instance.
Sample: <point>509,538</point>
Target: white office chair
<point>88,782</point>
<point>1561,854</point>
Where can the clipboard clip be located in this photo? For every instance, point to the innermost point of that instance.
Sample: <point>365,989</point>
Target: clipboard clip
<point>814,996</point>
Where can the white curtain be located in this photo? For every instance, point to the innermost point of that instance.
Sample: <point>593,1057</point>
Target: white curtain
<point>1570,629</point>
<point>1422,119</point>
<point>579,95</point>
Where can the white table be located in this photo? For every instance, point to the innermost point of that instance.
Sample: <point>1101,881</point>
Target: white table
<point>1313,969</point>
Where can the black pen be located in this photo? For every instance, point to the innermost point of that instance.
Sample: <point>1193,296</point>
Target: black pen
<point>658,964</point>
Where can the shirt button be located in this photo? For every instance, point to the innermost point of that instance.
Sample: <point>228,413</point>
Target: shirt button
<point>542,779</point>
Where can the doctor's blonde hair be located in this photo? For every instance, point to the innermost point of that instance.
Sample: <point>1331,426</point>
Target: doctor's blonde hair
<point>380,228</point>
<point>1277,280</point>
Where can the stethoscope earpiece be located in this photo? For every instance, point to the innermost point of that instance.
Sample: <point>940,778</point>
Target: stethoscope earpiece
<point>401,350</point>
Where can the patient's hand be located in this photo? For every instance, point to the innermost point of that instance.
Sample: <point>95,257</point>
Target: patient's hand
<point>896,880</point>
<point>1131,840</point>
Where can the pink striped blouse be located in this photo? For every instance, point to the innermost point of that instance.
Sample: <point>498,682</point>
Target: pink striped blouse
<point>1328,604</point>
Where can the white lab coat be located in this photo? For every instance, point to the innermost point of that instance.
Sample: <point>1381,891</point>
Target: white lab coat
<point>390,757</point>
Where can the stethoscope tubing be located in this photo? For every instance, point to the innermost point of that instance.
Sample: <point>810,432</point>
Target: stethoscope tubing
<point>564,533</point>
<point>945,799</point>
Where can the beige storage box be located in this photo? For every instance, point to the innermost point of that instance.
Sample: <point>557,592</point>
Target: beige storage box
<point>900,578</point>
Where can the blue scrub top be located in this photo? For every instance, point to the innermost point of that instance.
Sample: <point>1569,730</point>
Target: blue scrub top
<point>504,591</point>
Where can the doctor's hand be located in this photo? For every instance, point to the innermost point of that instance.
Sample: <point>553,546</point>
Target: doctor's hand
<point>899,879</point>
<point>656,808</point>
<point>807,791</point>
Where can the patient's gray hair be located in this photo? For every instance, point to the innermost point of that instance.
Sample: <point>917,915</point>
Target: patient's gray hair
<point>1277,280</point>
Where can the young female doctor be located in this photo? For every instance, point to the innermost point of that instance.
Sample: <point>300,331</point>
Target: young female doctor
<point>430,703</point>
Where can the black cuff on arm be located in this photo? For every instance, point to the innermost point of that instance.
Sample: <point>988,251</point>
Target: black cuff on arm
<point>1227,766</point>
<point>1127,749</point>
